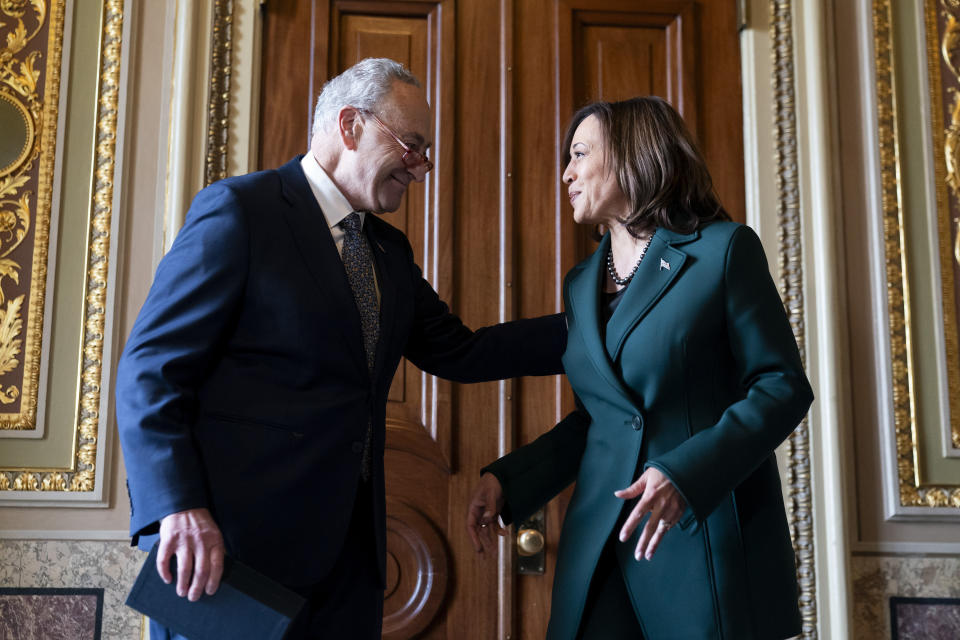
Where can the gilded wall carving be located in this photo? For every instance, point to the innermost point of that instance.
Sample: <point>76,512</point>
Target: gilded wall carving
<point>31,36</point>
<point>80,474</point>
<point>218,107</point>
<point>912,493</point>
<point>943,60</point>
<point>790,258</point>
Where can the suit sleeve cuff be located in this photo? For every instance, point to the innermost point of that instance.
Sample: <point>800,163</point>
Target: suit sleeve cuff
<point>688,517</point>
<point>506,513</point>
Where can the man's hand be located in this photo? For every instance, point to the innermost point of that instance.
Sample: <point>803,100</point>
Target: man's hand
<point>195,539</point>
<point>661,500</point>
<point>483,511</point>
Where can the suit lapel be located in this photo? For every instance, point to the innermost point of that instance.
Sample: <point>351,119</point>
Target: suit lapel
<point>318,250</point>
<point>386,266</point>
<point>584,291</point>
<point>661,265</point>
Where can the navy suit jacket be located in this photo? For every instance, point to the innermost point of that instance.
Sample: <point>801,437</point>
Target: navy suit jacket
<point>244,388</point>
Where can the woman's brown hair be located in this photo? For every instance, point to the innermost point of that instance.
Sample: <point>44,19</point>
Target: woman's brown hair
<point>657,164</point>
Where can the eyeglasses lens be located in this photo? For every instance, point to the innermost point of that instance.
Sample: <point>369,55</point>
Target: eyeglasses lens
<point>413,160</point>
<point>416,160</point>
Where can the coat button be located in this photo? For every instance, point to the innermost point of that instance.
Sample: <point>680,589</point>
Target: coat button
<point>357,447</point>
<point>637,423</point>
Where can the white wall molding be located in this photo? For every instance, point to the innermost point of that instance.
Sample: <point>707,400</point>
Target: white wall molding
<point>245,87</point>
<point>185,119</point>
<point>825,309</point>
<point>923,549</point>
<point>186,116</point>
<point>73,535</point>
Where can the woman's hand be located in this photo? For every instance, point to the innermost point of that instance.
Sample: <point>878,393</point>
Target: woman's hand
<point>661,500</point>
<point>483,513</point>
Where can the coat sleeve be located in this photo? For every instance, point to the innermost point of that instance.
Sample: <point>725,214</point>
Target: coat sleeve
<point>714,461</point>
<point>440,344</point>
<point>533,474</point>
<point>173,346</point>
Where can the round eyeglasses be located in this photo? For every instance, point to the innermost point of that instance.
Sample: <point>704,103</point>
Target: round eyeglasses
<point>412,159</point>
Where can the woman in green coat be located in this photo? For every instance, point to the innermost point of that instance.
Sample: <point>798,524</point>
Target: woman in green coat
<point>687,377</point>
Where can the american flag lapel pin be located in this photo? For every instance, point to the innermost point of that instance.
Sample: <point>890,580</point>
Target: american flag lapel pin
<point>664,265</point>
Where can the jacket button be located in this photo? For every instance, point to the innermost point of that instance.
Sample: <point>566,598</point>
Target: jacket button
<point>637,423</point>
<point>357,447</point>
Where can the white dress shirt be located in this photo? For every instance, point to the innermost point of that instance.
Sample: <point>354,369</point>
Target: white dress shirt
<point>333,204</point>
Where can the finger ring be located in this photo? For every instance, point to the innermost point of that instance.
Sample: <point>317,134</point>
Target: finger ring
<point>665,524</point>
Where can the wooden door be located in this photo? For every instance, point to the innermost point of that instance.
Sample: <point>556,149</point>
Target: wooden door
<point>493,232</point>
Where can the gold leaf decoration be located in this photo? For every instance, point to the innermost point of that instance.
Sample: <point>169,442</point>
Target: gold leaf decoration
<point>19,76</point>
<point>951,36</point>
<point>956,242</point>
<point>12,183</point>
<point>8,269</point>
<point>9,395</point>
<point>24,81</point>
<point>13,8</point>
<point>14,224</point>
<point>912,491</point>
<point>17,39</point>
<point>40,7</point>
<point>800,505</point>
<point>81,476</point>
<point>10,326</point>
<point>951,146</point>
<point>29,74</point>
<point>54,482</point>
<point>10,345</point>
<point>26,482</point>
<point>947,181</point>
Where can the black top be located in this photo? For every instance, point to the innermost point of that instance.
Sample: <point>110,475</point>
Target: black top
<point>609,300</point>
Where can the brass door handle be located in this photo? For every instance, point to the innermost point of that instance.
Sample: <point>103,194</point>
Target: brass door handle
<point>531,545</point>
<point>529,542</point>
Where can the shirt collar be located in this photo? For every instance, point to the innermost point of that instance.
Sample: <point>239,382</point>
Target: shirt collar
<point>331,200</point>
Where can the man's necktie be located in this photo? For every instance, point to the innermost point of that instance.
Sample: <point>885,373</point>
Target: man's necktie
<point>358,262</point>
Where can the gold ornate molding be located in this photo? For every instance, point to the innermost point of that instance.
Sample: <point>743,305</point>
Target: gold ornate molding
<point>947,176</point>
<point>218,107</point>
<point>790,258</point>
<point>81,475</point>
<point>25,196</point>
<point>911,492</point>
<point>28,133</point>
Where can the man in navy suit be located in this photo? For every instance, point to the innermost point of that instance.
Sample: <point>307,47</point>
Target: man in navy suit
<point>252,391</point>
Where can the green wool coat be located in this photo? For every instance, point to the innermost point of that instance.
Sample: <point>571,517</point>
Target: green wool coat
<point>697,373</point>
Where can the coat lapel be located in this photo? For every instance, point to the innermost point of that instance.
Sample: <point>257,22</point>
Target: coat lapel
<point>318,250</point>
<point>584,291</point>
<point>386,266</point>
<point>661,265</point>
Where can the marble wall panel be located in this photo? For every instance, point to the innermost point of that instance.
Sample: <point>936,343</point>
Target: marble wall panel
<point>51,614</point>
<point>108,565</point>
<point>11,562</point>
<point>925,618</point>
<point>878,578</point>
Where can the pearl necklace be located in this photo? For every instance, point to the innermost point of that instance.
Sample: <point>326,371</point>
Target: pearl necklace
<point>613,270</point>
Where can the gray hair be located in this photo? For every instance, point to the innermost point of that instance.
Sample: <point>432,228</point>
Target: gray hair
<point>363,86</point>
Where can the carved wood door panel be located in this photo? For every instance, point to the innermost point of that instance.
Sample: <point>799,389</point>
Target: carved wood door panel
<point>493,232</point>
